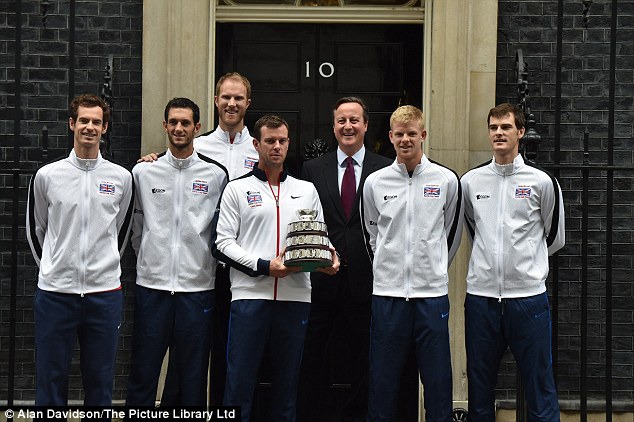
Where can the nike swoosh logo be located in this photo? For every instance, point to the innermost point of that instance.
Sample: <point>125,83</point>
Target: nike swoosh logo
<point>304,321</point>
<point>444,315</point>
<point>539,315</point>
<point>295,197</point>
<point>206,310</point>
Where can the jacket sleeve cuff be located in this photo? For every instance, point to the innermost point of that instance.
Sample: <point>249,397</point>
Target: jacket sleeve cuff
<point>263,266</point>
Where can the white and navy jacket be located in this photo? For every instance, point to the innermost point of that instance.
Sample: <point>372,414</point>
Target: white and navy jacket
<point>515,219</point>
<point>78,222</point>
<point>238,157</point>
<point>413,227</point>
<point>250,230</point>
<point>171,231</point>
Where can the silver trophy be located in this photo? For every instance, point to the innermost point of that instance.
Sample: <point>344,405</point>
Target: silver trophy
<point>307,244</point>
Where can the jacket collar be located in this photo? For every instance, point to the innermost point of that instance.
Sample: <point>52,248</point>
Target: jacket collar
<point>240,137</point>
<point>507,169</point>
<point>260,174</point>
<point>85,163</point>
<point>181,163</point>
<point>400,167</point>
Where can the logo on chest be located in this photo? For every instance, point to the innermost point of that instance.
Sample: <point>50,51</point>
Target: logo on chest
<point>522,192</point>
<point>249,163</point>
<point>431,191</point>
<point>200,187</point>
<point>106,188</point>
<point>254,199</point>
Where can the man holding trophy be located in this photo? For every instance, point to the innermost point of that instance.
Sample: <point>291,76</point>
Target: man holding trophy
<point>270,300</point>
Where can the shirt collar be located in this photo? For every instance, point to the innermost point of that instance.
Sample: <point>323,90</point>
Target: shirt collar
<point>357,157</point>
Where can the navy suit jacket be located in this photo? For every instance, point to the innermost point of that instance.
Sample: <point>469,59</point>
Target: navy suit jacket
<point>346,235</point>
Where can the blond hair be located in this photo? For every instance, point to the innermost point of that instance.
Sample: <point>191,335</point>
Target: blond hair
<point>406,114</point>
<point>236,76</point>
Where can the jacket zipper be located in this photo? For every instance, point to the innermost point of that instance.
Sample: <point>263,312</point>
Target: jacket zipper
<point>277,240</point>
<point>231,164</point>
<point>178,193</point>
<point>500,237</point>
<point>408,255</point>
<point>85,207</point>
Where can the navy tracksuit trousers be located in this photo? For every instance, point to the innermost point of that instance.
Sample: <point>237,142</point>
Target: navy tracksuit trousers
<point>60,320</point>
<point>524,325</point>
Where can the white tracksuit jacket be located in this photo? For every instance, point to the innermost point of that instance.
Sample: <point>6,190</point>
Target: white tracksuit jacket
<point>413,228</point>
<point>238,157</point>
<point>171,231</point>
<point>250,230</point>
<point>78,222</point>
<point>515,219</point>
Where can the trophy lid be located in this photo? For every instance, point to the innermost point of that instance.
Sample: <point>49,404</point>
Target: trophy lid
<point>306,214</point>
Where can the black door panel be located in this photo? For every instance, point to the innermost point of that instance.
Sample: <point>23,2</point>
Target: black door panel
<point>303,69</point>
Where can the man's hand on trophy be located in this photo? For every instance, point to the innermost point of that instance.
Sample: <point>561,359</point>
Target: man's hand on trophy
<point>278,269</point>
<point>335,264</point>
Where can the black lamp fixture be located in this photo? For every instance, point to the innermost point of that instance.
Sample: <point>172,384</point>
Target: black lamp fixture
<point>586,12</point>
<point>44,5</point>
<point>529,144</point>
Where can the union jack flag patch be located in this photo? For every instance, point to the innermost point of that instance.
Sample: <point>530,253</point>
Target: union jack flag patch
<point>249,163</point>
<point>106,188</point>
<point>431,192</point>
<point>254,199</point>
<point>522,192</point>
<point>201,187</point>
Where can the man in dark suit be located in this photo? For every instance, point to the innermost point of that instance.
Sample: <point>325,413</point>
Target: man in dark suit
<point>340,301</point>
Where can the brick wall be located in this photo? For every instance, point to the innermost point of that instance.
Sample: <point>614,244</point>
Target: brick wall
<point>103,28</point>
<point>532,26</point>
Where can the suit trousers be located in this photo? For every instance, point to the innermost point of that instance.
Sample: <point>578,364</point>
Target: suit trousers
<point>335,325</point>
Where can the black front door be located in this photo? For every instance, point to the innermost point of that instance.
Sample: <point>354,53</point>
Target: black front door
<point>300,70</point>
